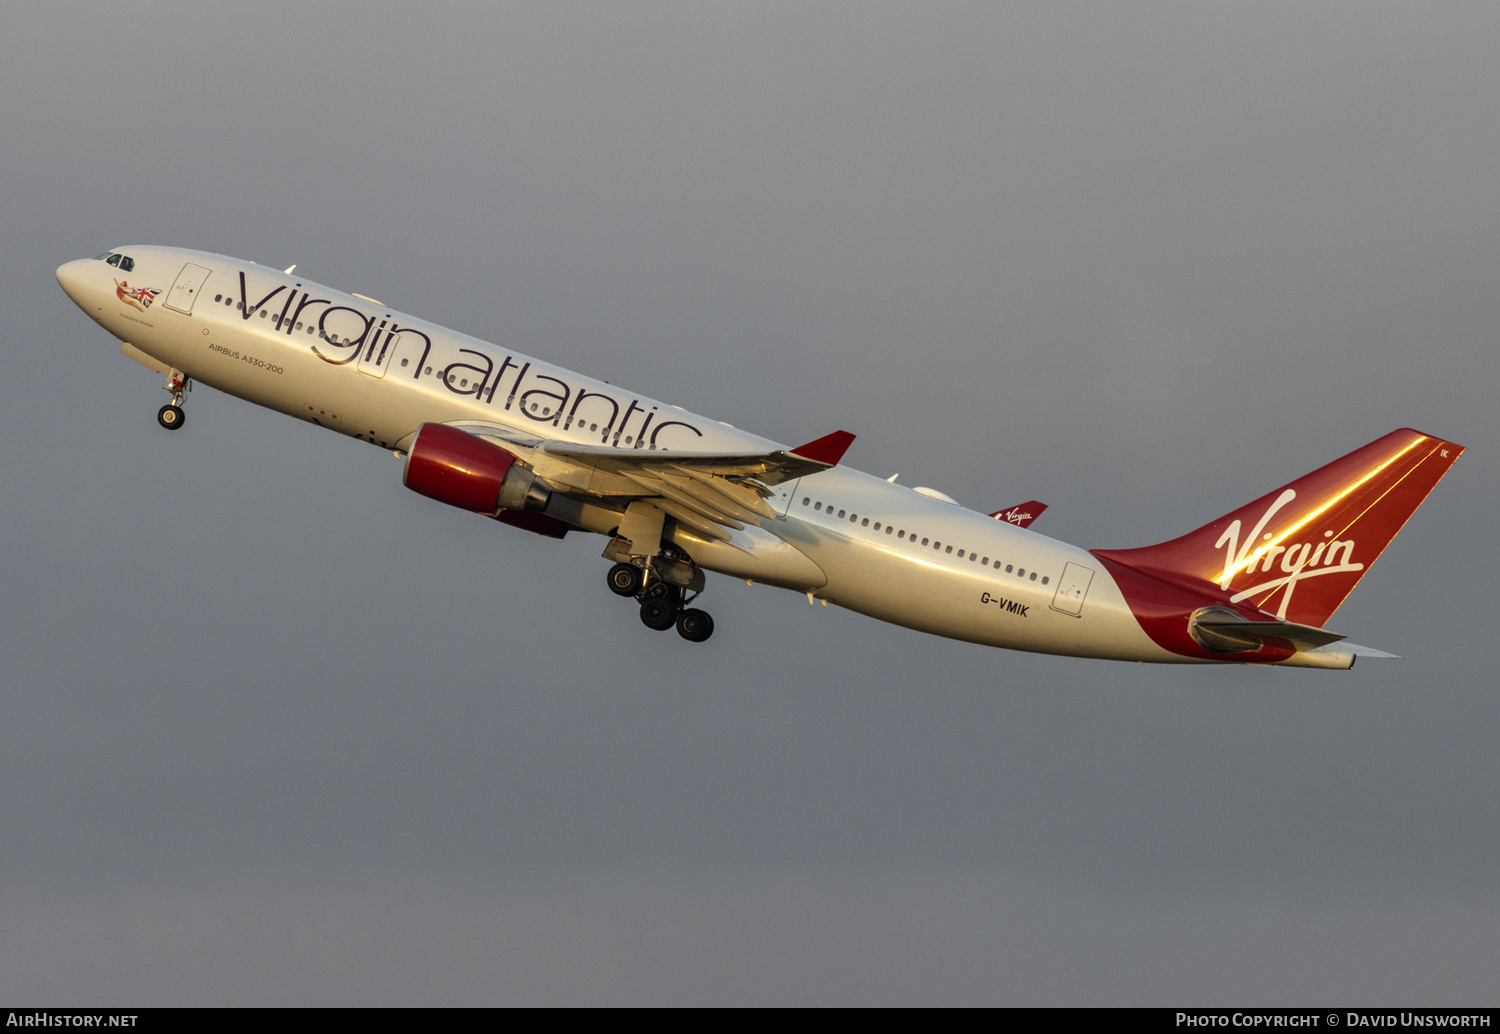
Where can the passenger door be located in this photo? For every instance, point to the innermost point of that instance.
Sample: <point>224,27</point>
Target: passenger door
<point>185,290</point>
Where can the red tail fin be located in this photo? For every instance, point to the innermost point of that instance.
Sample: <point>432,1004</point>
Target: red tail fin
<point>1021,516</point>
<point>1298,551</point>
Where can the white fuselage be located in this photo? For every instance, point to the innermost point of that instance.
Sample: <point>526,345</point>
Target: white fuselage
<point>841,536</point>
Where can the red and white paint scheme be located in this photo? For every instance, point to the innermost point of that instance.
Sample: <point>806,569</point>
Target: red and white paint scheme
<point>674,494</point>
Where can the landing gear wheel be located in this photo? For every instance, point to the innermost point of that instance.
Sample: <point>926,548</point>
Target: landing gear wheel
<point>695,625</point>
<point>624,579</point>
<point>170,416</point>
<point>659,615</point>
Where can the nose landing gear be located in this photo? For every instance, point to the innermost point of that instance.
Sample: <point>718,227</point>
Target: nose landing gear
<point>171,416</point>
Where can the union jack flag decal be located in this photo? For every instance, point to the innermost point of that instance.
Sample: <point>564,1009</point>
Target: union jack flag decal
<point>140,297</point>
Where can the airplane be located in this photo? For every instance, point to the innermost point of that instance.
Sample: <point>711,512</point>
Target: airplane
<point>529,444</point>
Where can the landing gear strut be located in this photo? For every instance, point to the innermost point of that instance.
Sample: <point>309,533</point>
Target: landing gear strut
<point>171,416</point>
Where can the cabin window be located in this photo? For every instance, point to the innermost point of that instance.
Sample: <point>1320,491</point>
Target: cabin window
<point>960,554</point>
<point>877,525</point>
<point>627,437</point>
<point>1008,568</point>
<point>263,314</point>
<point>948,550</point>
<point>1044,581</point>
<point>218,297</point>
<point>889,528</point>
<point>841,515</point>
<point>1033,576</point>
<point>806,500</point>
<point>428,370</point>
<point>1021,573</point>
<point>593,427</point>
<point>853,517</point>
<point>985,561</point>
<point>997,565</point>
<point>924,542</point>
<point>405,361</point>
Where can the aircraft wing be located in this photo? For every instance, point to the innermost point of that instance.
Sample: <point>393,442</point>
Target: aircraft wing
<point>707,491</point>
<point>771,468</point>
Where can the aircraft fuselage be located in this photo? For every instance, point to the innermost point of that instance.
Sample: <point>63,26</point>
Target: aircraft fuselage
<point>369,371</point>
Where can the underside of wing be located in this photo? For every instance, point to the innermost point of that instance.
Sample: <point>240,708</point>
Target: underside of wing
<point>708,492</point>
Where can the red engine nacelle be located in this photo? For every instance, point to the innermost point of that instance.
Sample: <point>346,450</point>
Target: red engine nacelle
<point>465,471</point>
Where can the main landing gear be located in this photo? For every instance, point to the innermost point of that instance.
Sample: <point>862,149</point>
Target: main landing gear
<point>171,416</point>
<point>662,603</point>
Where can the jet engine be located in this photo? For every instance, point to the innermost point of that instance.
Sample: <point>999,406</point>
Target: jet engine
<point>465,471</point>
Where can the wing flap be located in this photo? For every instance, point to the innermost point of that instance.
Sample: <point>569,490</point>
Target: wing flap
<point>656,486</point>
<point>721,502</point>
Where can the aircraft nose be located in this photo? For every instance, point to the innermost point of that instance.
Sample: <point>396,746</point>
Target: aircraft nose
<point>70,275</point>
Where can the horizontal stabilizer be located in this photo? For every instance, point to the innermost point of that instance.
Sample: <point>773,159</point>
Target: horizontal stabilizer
<point>1369,651</point>
<point>1334,655</point>
<point>1254,633</point>
<point>1021,516</point>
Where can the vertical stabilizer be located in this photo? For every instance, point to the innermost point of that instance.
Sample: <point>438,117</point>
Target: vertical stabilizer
<point>1298,551</point>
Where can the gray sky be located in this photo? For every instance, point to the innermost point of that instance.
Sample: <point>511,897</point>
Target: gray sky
<point>279,731</point>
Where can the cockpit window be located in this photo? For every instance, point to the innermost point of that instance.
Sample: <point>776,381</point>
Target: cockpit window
<point>126,263</point>
<point>101,257</point>
<point>113,260</point>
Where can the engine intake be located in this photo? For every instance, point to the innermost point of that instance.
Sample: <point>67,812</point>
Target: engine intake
<point>465,471</point>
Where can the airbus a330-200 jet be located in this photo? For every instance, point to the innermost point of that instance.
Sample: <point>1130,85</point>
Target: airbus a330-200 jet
<point>540,448</point>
